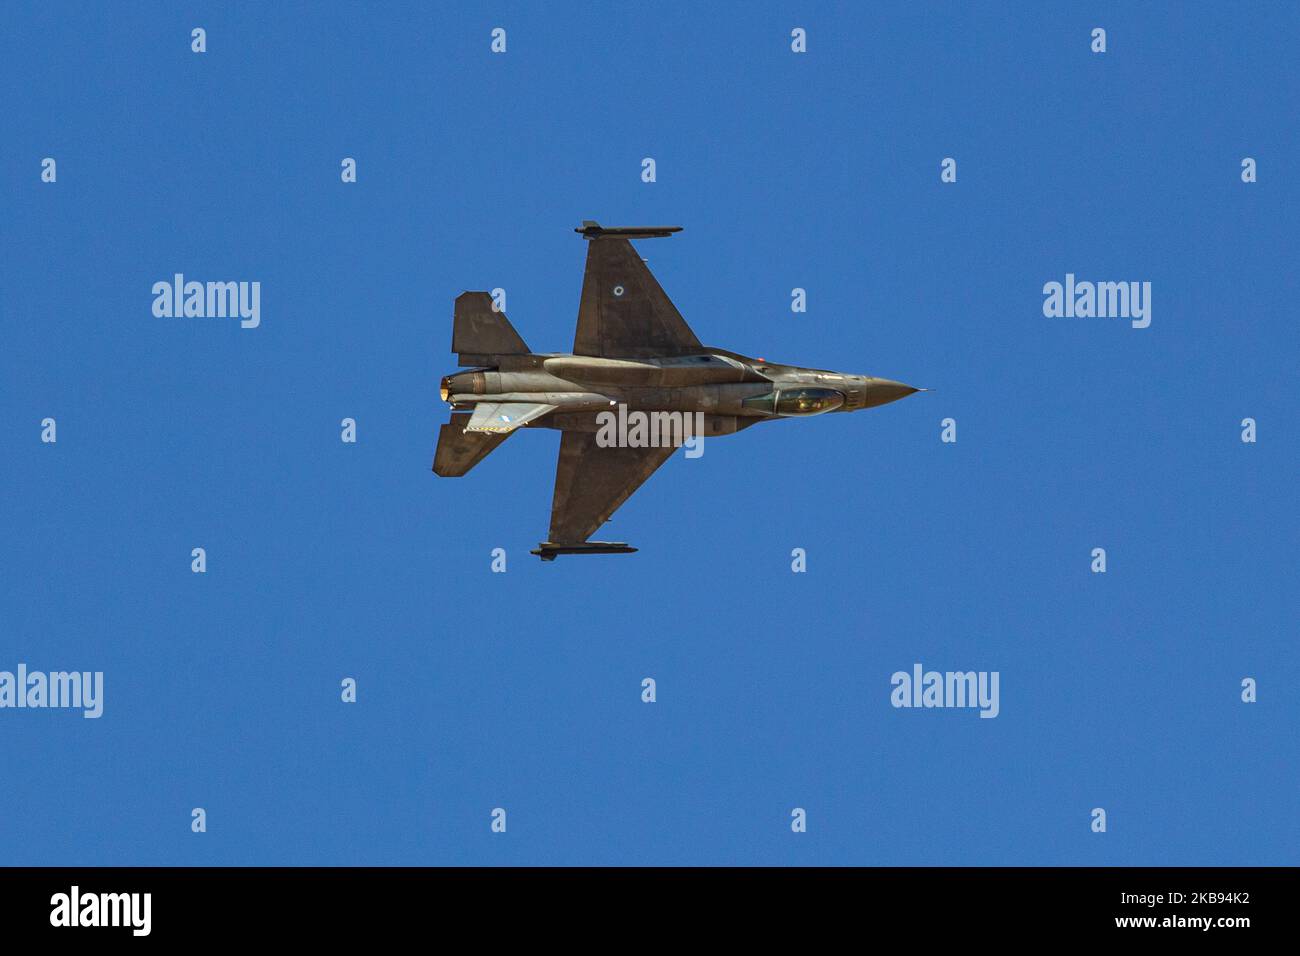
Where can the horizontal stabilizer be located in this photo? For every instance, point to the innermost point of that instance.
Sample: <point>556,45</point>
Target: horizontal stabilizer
<point>504,417</point>
<point>594,230</point>
<point>547,550</point>
<point>459,451</point>
<point>479,330</point>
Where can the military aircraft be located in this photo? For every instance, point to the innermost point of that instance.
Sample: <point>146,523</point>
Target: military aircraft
<point>632,351</point>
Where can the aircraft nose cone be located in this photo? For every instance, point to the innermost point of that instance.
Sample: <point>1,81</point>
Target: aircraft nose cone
<point>881,391</point>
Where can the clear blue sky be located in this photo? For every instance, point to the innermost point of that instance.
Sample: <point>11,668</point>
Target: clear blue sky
<point>522,690</point>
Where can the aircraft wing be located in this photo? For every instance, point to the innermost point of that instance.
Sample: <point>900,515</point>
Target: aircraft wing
<point>624,313</point>
<point>591,483</point>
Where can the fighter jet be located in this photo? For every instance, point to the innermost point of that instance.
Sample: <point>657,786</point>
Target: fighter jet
<point>632,353</point>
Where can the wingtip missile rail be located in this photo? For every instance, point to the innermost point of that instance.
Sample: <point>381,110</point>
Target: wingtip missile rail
<point>594,230</point>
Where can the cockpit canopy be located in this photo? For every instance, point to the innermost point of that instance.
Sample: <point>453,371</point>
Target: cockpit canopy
<point>797,401</point>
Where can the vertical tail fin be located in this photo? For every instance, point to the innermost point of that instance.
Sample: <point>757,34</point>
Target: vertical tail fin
<point>479,331</point>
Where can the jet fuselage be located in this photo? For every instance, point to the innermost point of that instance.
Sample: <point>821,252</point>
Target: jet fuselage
<point>714,383</point>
